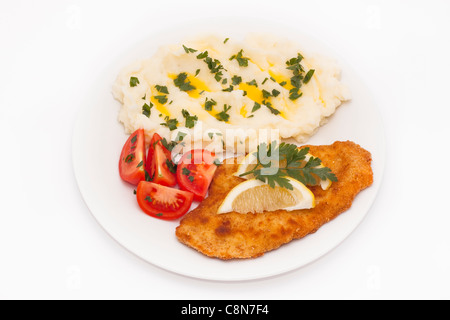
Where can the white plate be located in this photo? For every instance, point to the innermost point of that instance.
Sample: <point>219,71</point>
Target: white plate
<point>98,139</point>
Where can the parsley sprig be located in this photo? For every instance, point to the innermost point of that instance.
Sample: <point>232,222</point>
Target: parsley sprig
<point>294,165</point>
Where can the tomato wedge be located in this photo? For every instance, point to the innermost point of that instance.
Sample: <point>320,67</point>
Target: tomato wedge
<point>159,163</point>
<point>132,158</point>
<point>163,202</point>
<point>195,172</point>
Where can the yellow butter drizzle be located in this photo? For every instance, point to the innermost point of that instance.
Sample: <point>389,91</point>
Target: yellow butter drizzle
<point>243,111</point>
<point>199,85</point>
<point>253,92</point>
<point>159,106</point>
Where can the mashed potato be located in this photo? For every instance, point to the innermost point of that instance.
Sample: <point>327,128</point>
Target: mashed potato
<point>210,85</point>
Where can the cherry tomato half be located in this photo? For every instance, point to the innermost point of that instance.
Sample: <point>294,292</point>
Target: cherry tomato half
<point>195,172</point>
<point>163,202</point>
<point>132,158</point>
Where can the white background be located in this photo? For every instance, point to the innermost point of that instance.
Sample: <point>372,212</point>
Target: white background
<point>51,247</point>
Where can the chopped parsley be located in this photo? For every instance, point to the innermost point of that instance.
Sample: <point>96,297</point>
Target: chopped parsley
<point>272,109</point>
<point>189,50</point>
<point>162,89</point>
<point>236,80</point>
<point>308,76</point>
<point>202,55</point>
<point>197,72</point>
<point>229,89</point>
<point>256,107</point>
<point>171,166</point>
<point>224,116</point>
<point>243,61</point>
<point>265,80</point>
<point>299,77</point>
<point>130,158</point>
<point>146,110</point>
<point>275,93</point>
<point>226,40</point>
<point>134,81</point>
<point>186,171</point>
<point>209,104</point>
<point>182,84</point>
<point>180,136</point>
<point>161,99</point>
<point>294,94</point>
<point>190,120</point>
<point>253,83</point>
<point>170,123</point>
<point>266,94</point>
<point>214,65</point>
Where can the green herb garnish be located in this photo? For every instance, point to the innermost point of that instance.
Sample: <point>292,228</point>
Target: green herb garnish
<point>224,116</point>
<point>229,89</point>
<point>146,110</point>
<point>236,80</point>
<point>266,94</point>
<point>189,50</point>
<point>272,109</point>
<point>308,76</point>
<point>190,120</point>
<point>180,136</point>
<point>298,77</point>
<point>209,104</point>
<point>171,166</point>
<point>202,55</point>
<point>256,107</point>
<point>294,94</point>
<point>182,84</point>
<point>134,81</point>
<point>130,158</point>
<point>170,123</point>
<point>296,166</point>
<point>161,99</point>
<point>162,89</point>
<point>243,61</point>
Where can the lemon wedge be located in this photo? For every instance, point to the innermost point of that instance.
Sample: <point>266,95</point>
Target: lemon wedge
<point>249,162</point>
<point>255,196</point>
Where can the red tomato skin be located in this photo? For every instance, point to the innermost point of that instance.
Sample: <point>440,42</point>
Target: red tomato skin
<point>202,173</point>
<point>133,171</point>
<point>156,163</point>
<point>149,189</point>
